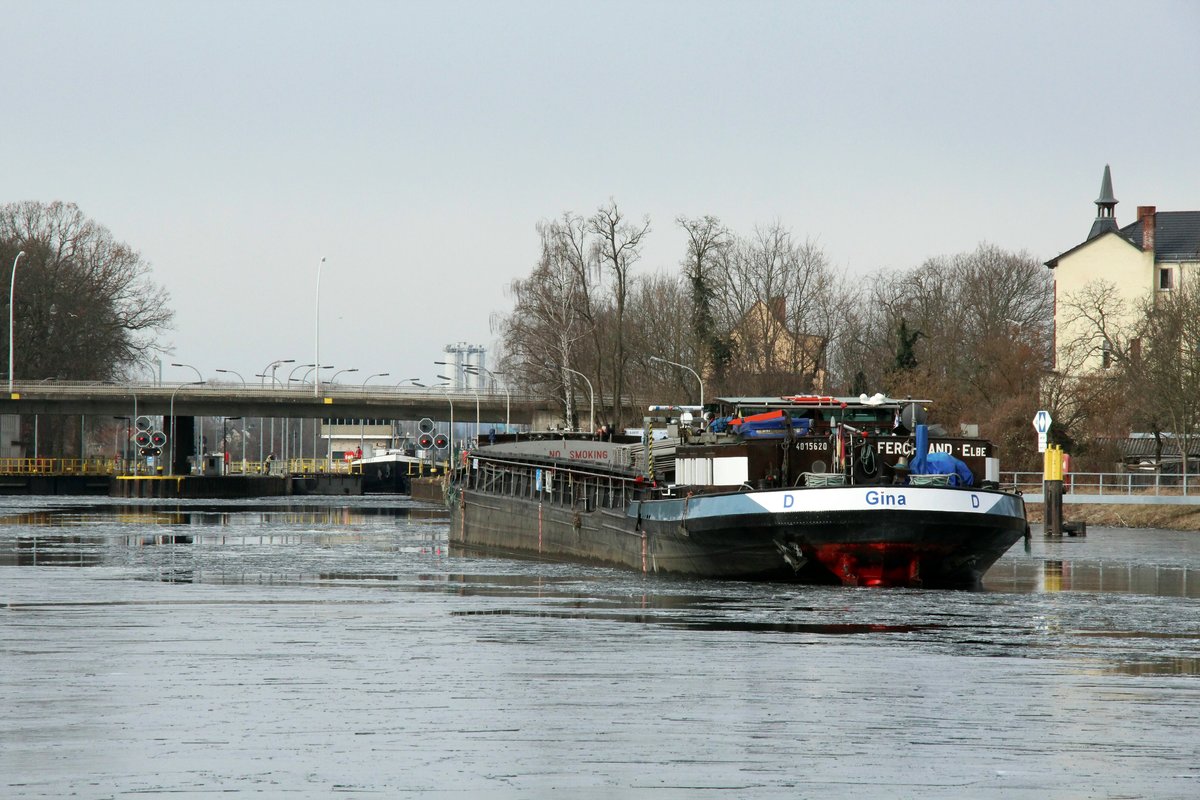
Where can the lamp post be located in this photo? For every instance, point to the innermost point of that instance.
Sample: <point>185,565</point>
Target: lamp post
<point>293,372</point>
<point>313,367</point>
<point>233,372</point>
<point>274,365</point>
<point>171,466</point>
<point>591,394</point>
<point>507,396</point>
<point>376,375</point>
<point>339,372</point>
<point>199,378</point>
<point>689,369</point>
<point>413,381</point>
<point>443,377</point>
<point>317,331</point>
<point>329,437</point>
<point>12,286</point>
<point>450,442</point>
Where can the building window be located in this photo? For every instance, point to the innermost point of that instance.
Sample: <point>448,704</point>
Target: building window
<point>1165,278</point>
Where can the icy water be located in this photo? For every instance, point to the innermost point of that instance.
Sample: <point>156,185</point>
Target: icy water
<point>333,647</point>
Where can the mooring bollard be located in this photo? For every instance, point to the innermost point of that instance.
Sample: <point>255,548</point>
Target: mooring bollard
<point>1052,491</point>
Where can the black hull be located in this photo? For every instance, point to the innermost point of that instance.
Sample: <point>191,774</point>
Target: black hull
<point>388,477</point>
<point>737,539</point>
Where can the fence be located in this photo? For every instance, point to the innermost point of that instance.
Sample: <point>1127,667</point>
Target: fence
<point>1111,487</point>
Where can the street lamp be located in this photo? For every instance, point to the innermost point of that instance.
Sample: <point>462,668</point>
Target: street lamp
<point>443,377</point>
<point>450,443</point>
<point>171,466</point>
<point>233,372</point>
<point>457,372</point>
<point>317,331</point>
<point>298,366</point>
<point>376,375</point>
<point>507,396</point>
<point>200,378</point>
<point>339,372</point>
<point>591,394</point>
<point>12,286</point>
<point>413,381</point>
<point>689,369</point>
<point>312,368</point>
<point>272,367</point>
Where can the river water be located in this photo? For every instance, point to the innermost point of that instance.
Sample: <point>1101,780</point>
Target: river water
<point>333,646</point>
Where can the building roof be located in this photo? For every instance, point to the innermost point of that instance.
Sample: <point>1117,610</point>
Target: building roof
<point>1142,446</point>
<point>1176,237</point>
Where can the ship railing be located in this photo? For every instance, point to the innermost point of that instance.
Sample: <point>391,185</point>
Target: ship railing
<point>571,486</point>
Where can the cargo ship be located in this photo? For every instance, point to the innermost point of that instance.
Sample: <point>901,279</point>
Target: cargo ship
<point>811,489</point>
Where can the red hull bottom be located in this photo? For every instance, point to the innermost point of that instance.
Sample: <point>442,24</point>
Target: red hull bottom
<point>873,564</point>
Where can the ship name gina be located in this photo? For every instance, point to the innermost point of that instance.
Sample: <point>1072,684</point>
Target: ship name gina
<point>878,498</point>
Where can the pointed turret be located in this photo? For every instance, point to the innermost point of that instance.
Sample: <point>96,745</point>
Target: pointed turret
<point>1105,207</point>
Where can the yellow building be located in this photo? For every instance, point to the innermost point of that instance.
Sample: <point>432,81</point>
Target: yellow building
<point>1107,278</point>
<point>770,355</point>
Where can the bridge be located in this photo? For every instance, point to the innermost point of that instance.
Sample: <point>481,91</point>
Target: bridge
<point>229,399</point>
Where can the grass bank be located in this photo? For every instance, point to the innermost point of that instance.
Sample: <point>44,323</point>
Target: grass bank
<point>1175,518</point>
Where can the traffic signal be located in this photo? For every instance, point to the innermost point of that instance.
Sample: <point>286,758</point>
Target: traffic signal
<point>425,441</point>
<point>142,439</point>
<point>440,441</point>
<point>158,438</point>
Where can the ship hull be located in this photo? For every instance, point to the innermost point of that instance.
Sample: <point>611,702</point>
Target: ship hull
<point>877,536</point>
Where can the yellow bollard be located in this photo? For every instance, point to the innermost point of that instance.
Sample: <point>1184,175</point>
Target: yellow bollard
<point>1052,490</point>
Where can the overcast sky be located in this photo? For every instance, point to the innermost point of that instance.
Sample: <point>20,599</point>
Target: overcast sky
<point>417,145</point>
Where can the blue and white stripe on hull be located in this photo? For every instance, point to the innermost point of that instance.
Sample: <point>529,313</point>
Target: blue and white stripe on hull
<point>892,498</point>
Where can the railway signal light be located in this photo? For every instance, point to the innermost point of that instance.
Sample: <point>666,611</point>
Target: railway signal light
<point>440,441</point>
<point>425,441</point>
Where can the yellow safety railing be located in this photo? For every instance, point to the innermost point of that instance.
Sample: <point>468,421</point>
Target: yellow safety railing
<point>59,466</point>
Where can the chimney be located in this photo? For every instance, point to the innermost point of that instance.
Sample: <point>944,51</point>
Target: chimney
<point>1146,216</point>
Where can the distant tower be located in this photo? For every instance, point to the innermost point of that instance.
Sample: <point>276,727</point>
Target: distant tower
<point>463,353</point>
<point>1106,206</point>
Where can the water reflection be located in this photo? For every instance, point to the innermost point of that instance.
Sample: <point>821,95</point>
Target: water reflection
<point>224,626</point>
<point>246,515</point>
<point>1052,576</point>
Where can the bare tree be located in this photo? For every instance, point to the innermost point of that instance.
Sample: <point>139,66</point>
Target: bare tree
<point>661,324</point>
<point>549,317</point>
<point>707,240</point>
<point>780,303</point>
<point>85,305</point>
<point>617,249</point>
<point>1161,367</point>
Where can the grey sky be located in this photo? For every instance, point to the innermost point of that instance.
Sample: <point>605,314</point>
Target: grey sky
<point>416,145</point>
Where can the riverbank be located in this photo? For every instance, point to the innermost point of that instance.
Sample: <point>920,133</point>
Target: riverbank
<point>1163,517</point>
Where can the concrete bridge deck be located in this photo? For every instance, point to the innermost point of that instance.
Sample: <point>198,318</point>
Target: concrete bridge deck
<point>231,399</point>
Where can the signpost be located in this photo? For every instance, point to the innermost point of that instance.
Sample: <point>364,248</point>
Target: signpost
<point>1041,424</point>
